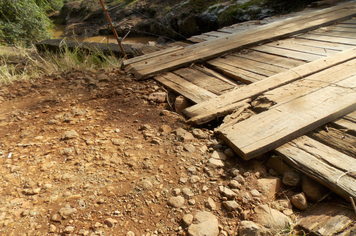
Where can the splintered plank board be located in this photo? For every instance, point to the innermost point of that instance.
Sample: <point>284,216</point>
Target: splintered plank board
<point>283,62</point>
<point>189,90</point>
<point>324,164</point>
<point>270,129</point>
<point>210,83</point>
<point>305,56</point>
<point>253,90</point>
<point>213,48</point>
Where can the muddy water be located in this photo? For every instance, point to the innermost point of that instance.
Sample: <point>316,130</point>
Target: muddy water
<point>58,34</point>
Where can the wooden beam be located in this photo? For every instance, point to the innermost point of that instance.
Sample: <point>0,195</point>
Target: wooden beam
<point>322,163</point>
<point>255,89</point>
<point>275,127</point>
<point>213,48</point>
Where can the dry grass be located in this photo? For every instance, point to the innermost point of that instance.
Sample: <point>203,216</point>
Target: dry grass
<point>20,63</point>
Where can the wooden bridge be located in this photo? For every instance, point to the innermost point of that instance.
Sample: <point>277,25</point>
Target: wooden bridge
<point>288,85</point>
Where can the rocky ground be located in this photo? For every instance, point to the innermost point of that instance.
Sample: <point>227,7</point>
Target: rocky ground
<point>101,154</point>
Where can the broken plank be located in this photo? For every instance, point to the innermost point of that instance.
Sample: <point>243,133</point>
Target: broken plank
<point>255,89</point>
<point>201,79</point>
<point>213,48</point>
<point>275,127</point>
<point>271,59</point>
<point>336,139</point>
<point>139,59</point>
<point>235,73</point>
<point>283,52</point>
<point>189,90</point>
<point>322,163</point>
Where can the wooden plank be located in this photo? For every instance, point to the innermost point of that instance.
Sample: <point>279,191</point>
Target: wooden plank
<point>336,139</point>
<point>287,63</point>
<point>241,75</point>
<point>321,163</point>
<point>330,39</point>
<point>215,74</point>
<point>351,35</point>
<point>288,44</point>
<point>351,21</point>
<point>287,53</point>
<point>326,219</point>
<point>189,90</point>
<point>270,129</point>
<point>255,89</point>
<point>213,48</point>
<point>202,80</point>
<point>197,39</point>
<point>348,123</point>
<point>323,45</point>
<point>136,60</point>
<point>217,34</point>
<point>254,66</point>
<point>304,86</point>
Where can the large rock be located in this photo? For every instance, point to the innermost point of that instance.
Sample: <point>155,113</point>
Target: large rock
<point>269,187</point>
<point>204,224</point>
<point>312,189</point>
<point>274,221</point>
<point>248,228</point>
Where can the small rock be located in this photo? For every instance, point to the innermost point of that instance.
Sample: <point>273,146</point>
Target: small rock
<point>158,97</point>
<point>291,178</point>
<point>183,180</point>
<point>176,191</point>
<point>235,184</point>
<point>180,133</point>
<point>187,193</point>
<point>269,187</point>
<point>52,228</point>
<point>130,233</point>
<point>166,129</point>
<point>240,179</point>
<point>227,192</point>
<point>204,224</point>
<point>176,202</point>
<point>272,219</point>
<point>188,137</point>
<point>205,188</point>
<point>110,222</point>
<point>71,134</point>
<point>146,185</point>
<point>229,152</point>
<point>282,204</point>
<point>300,201</point>
<point>313,190</point>
<point>198,133</point>
<point>219,155</point>
<point>255,193</point>
<point>189,147</point>
<point>192,170</point>
<point>231,205</point>
<point>210,204</point>
<point>187,219</point>
<point>249,228</point>
<point>68,229</point>
<point>194,179</point>
<point>56,218</point>
<point>65,212</point>
<point>216,163</point>
<point>191,202</point>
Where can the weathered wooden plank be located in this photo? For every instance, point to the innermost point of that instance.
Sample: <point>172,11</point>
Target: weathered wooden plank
<point>271,59</point>
<point>215,74</point>
<point>270,129</point>
<point>351,35</point>
<point>136,60</point>
<point>327,219</point>
<point>189,90</point>
<point>202,80</point>
<point>254,66</point>
<point>217,34</point>
<point>323,45</point>
<point>255,89</point>
<point>288,44</point>
<point>336,139</point>
<point>322,163</point>
<point>197,39</point>
<point>288,53</point>
<point>330,39</point>
<point>213,48</point>
<point>348,123</point>
<point>233,72</point>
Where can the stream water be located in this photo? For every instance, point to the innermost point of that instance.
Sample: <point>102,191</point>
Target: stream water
<point>58,34</point>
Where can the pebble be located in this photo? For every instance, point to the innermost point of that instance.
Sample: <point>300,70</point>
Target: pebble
<point>166,129</point>
<point>198,133</point>
<point>187,219</point>
<point>210,204</point>
<point>189,147</point>
<point>71,134</point>
<point>216,163</point>
<point>68,229</point>
<point>187,193</point>
<point>192,170</point>
<point>231,205</point>
<point>235,184</point>
<point>146,185</point>
<point>183,180</point>
<point>300,201</point>
<point>249,228</point>
<point>130,233</point>
<point>227,192</point>
<point>110,222</point>
<point>176,202</point>
<point>255,193</point>
<point>56,218</point>
<point>52,228</point>
<point>229,152</point>
<point>65,212</point>
<point>176,191</point>
<point>194,179</point>
<point>219,155</point>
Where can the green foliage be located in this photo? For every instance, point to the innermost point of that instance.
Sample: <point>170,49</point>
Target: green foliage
<point>24,21</point>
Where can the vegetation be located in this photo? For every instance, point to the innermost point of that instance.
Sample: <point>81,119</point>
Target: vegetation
<point>32,65</point>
